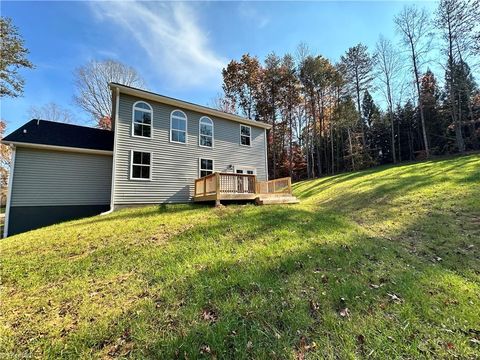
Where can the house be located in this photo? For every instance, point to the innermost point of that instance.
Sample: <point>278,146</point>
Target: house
<point>160,150</point>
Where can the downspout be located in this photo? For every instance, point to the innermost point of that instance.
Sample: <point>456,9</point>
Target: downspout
<point>9,193</point>
<point>114,129</point>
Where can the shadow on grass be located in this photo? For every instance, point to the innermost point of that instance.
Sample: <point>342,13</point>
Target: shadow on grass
<point>260,286</point>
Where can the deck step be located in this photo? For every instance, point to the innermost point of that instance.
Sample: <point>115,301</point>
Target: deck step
<point>272,200</point>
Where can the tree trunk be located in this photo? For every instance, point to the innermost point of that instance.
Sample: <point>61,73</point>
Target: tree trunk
<point>420,100</point>
<point>351,148</point>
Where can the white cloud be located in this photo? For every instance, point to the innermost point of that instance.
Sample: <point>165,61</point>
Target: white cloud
<point>178,49</point>
<point>251,13</point>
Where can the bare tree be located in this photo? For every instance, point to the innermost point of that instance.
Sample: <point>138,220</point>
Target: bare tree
<point>222,103</point>
<point>92,91</point>
<point>388,66</point>
<point>5,160</point>
<point>51,111</point>
<point>414,27</point>
<point>456,20</point>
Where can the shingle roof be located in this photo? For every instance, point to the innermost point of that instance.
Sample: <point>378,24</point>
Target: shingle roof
<point>44,132</point>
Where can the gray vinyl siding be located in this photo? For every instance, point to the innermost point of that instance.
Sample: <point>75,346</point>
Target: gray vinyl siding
<point>176,166</point>
<point>58,178</point>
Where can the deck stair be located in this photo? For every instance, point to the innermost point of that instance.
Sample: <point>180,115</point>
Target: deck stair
<point>270,199</point>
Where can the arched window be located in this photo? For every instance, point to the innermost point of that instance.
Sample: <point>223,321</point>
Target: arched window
<point>178,127</point>
<point>206,132</point>
<point>142,119</point>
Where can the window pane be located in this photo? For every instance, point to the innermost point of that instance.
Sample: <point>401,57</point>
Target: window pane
<point>181,136</point>
<point>147,118</point>
<point>206,129</point>
<point>239,171</point>
<point>206,141</point>
<point>209,165</point>
<point>245,140</point>
<point>174,135</point>
<point>182,125</point>
<point>245,130</point>
<point>205,173</point>
<point>137,129</point>
<point>178,124</point>
<point>146,130</point>
<point>250,172</point>
<point>142,105</point>
<point>203,164</point>
<point>179,114</point>
<point>145,172</point>
<point>136,171</point>
<point>142,117</point>
<point>146,158</point>
<point>137,157</point>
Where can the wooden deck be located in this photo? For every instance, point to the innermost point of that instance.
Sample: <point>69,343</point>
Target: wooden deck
<point>229,186</point>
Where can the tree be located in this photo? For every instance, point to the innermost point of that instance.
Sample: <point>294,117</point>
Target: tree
<point>5,158</point>
<point>241,84</point>
<point>388,66</point>
<point>13,56</point>
<point>456,21</point>
<point>52,112</point>
<point>92,90</point>
<point>414,27</point>
<point>221,103</point>
<point>358,66</point>
<point>289,102</point>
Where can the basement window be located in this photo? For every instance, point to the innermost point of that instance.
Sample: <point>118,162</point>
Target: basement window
<point>141,164</point>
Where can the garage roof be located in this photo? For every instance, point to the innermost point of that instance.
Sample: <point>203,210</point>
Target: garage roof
<point>51,133</point>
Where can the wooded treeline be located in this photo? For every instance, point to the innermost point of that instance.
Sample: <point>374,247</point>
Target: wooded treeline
<point>326,117</point>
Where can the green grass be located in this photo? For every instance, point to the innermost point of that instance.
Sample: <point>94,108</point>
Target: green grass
<point>399,244</point>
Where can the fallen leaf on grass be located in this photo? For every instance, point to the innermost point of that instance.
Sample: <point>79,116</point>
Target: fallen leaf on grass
<point>205,349</point>
<point>475,341</point>
<point>209,315</point>
<point>395,298</point>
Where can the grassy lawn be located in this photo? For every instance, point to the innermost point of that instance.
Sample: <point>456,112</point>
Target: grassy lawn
<point>382,264</point>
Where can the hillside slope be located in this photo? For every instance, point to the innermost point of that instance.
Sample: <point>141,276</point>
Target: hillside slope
<point>382,263</point>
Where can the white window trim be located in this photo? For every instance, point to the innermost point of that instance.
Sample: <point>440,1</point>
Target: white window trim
<point>133,120</point>
<point>200,166</point>
<point>241,167</point>
<point>186,128</point>
<point>200,134</point>
<point>240,135</point>
<point>131,165</point>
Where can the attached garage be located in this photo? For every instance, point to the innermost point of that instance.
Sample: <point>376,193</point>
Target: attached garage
<point>60,172</point>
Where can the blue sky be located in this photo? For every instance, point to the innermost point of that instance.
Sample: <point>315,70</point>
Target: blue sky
<point>178,48</point>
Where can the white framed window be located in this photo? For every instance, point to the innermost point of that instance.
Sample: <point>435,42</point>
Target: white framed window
<point>141,165</point>
<point>249,170</point>
<point>205,130</point>
<point>142,114</point>
<point>245,135</point>
<point>178,127</point>
<point>205,167</point>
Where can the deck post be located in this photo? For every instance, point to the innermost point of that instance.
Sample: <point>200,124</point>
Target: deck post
<point>290,185</point>
<point>217,189</point>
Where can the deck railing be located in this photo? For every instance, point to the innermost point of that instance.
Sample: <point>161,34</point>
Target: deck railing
<point>228,184</point>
